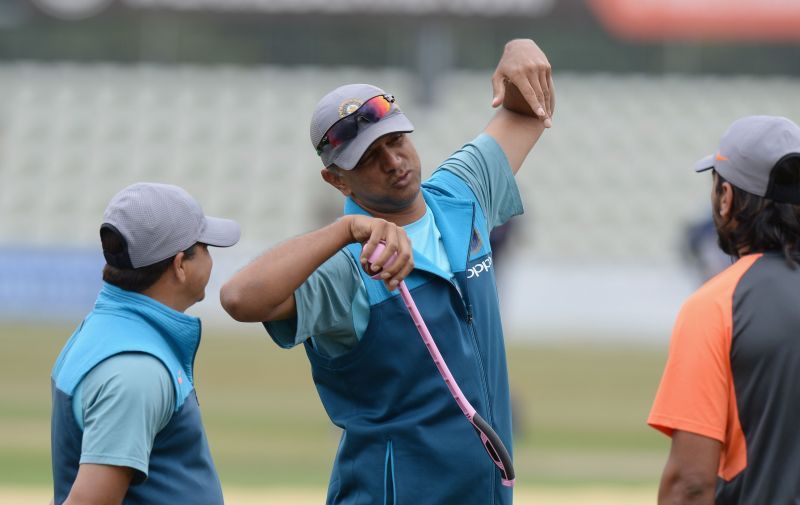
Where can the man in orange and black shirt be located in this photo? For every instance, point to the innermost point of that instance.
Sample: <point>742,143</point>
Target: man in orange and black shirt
<point>730,393</point>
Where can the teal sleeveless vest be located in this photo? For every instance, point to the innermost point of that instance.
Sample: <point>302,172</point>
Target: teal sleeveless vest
<point>405,441</point>
<point>181,469</point>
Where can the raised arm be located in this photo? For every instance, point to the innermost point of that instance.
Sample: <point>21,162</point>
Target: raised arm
<point>264,289</point>
<point>523,85</point>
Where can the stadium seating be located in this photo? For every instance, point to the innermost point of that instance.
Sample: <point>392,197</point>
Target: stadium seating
<point>611,183</point>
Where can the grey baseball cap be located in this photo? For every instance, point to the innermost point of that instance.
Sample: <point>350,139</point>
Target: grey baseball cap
<point>342,102</point>
<point>750,149</point>
<point>157,221</point>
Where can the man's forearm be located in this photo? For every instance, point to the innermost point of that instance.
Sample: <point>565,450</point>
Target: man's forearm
<point>682,491</point>
<point>259,290</point>
<point>683,483</point>
<point>523,85</point>
<point>690,475</point>
<point>99,485</point>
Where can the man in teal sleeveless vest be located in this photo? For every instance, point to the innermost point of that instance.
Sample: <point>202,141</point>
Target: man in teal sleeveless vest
<point>404,438</point>
<point>126,426</point>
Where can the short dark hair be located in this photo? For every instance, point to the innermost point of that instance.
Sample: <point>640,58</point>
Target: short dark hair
<point>133,279</point>
<point>763,224</point>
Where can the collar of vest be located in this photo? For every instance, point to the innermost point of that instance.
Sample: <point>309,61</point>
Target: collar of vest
<point>181,330</point>
<point>453,216</point>
<point>124,321</point>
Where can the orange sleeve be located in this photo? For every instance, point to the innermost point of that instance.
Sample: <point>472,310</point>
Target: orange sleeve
<point>697,392</point>
<point>695,389</point>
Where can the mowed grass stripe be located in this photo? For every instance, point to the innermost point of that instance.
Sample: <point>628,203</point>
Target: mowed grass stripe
<point>580,410</point>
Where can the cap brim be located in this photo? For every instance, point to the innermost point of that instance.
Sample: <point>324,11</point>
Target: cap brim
<point>350,155</point>
<point>220,232</point>
<point>706,163</point>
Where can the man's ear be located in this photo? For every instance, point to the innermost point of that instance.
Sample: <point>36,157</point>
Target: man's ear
<point>335,179</point>
<point>178,267</point>
<point>726,200</point>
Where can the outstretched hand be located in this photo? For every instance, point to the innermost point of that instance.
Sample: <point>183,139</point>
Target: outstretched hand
<point>370,231</point>
<point>526,67</point>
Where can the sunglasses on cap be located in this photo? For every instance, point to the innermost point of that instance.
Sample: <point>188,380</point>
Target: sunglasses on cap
<point>371,111</point>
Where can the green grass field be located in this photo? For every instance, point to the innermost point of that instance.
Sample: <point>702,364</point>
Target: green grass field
<point>581,413</point>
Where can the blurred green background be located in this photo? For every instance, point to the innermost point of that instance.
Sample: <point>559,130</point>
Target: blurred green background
<point>580,411</point>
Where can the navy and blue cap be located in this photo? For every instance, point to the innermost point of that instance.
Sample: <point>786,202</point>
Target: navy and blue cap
<point>341,102</point>
<point>749,151</point>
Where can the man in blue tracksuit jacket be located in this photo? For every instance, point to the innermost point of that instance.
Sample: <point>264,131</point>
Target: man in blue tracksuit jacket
<point>126,425</point>
<point>404,440</point>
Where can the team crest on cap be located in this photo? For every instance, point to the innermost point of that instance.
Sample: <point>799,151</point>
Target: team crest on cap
<point>349,106</point>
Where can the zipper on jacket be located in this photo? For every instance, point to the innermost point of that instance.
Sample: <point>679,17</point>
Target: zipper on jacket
<point>468,308</point>
<point>484,380</point>
<point>389,491</point>
<point>488,416</point>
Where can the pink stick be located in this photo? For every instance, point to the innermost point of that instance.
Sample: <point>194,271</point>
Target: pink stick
<point>452,385</point>
<point>491,442</point>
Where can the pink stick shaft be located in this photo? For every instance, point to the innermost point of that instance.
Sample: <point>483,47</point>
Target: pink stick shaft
<point>452,385</point>
<point>491,442</point>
